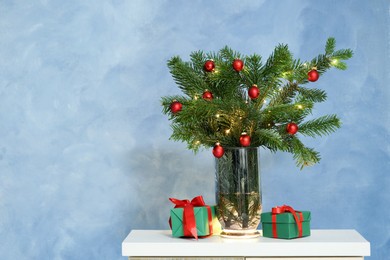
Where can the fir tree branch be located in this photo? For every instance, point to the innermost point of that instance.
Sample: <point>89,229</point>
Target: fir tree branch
<point>321,62</point>
<point>198,59</point>
<point>330,46</point>
<point>284,95</point>
<point>298,72</point>
<point>224,81</point>
<point>253,73</point>
<point>311,95</point>
<point>268,138</point>
<point>190,82</point>
<point>324,125</point>
<point>283,114</point>
<point>228,54</point>
<point>279,60</point>
<point>303,156</point>
<point>343,54</point>
<point>278,63</point>
<point>340,65</point>
<point>336,58</point>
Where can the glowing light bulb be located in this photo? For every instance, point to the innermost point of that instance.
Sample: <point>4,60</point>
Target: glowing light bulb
<point>217,115</point>
<point>227,131</point>
<point>299,106</point>
<point>334,61</point>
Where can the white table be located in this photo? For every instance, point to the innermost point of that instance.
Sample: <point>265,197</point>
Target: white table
<point>327,244</point>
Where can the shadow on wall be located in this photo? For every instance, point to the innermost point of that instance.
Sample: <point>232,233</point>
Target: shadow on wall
<point>158,174</point>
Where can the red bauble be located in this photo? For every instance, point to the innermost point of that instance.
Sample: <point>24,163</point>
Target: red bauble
<point>253,92</point>
<point>245,140</point>
<point>313,75</point>
<point>176,106</point>
<point>238,65</point>
<point>292,128</point>
<point>209,66</point>
<point>218,150</point>
<point>207,95</point>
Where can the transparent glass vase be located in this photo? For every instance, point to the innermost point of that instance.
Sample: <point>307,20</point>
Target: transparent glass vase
<point>238,193</point>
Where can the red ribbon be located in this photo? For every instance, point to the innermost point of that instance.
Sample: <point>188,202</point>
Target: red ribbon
<point>189,223</point>
<point>284,209</point>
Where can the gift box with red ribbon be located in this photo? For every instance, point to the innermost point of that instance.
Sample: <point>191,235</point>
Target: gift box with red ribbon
<point>285,222</point>
<point>192,218</point>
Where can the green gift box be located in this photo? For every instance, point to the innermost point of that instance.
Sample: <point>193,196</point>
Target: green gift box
<point>201,219</point>
<point>286,226</point>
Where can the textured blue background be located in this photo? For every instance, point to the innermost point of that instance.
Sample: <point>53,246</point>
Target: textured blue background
<point>84,149</point>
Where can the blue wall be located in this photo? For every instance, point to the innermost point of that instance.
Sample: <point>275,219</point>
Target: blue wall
<point>84,149</point>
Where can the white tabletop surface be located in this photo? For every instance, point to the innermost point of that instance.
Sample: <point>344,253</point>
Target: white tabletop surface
<point>341,242</point>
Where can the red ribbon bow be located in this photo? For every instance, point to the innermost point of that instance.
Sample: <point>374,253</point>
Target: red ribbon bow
<point>189,223</point>
<point>284,209</point>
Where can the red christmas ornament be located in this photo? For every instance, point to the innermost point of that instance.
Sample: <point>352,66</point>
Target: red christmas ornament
<point>176,106</point>
<point>238,65</point>
<point>209,65</point>
<point>207,95</point>
<point>313,75</point>
<point>245,140</point>
<point>292,128</point>
<point>218,150</point>
<point>253,92</point>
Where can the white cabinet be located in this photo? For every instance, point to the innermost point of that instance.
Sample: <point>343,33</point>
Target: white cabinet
<point>327,244</point>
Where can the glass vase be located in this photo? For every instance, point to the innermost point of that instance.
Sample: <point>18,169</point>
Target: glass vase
<point>238,193</point>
